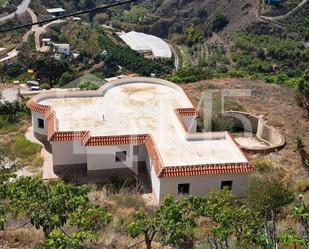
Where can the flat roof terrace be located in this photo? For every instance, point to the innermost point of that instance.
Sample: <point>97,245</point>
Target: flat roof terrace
<point>144,108</point>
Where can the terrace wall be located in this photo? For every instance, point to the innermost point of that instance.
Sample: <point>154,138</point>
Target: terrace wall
<point>258,126</point>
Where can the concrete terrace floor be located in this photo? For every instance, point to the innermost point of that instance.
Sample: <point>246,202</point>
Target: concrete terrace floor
<point>143,108</point>
<point>249,140</point>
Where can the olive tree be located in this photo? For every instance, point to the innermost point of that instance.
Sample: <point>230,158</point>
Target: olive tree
<point>170,223</point>
<point>268,193</point>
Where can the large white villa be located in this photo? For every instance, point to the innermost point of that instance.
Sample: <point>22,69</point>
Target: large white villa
<point>136,122</point>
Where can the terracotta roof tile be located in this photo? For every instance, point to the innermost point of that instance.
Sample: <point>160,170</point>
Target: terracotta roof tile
<point>156,161</point>
<point>116,140</point>
<point>67,136</point>
<point>36,107</point>
<point>187,112</point>
<point>206,170</point>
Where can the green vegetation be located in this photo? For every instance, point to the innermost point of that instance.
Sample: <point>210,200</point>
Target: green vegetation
<point>14,120</point>
<point>51,207</point>
<point>186,75</point>
<point>218,23</point>
<point>45,86</point>
<point>67,77</point>
<point>298,22</point>
<point>10,111</point>
<point>49,69</point>
<point>88,86</point>
<point>73,217</point>
<point>275,59</point>
<point>172,221</point>
<point>20,147</point>
<point>280,60</point>
<point>131,60</point>
<point>134,15</point>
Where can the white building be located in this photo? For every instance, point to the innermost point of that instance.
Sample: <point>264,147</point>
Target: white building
<point>145,44</point>
<point>46,42</point>
<point>139,124</point>
<point>56,11</point>
<point>62,48</point>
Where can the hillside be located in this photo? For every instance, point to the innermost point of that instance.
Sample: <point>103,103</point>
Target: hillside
<point>201,12</point>
<point>298,21</point>
<point>166,18</point>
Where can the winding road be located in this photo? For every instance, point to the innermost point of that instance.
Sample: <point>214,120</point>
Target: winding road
<point>274,18</point>
<point>22,8</point>
<point>38,31</point>
<point>13,53</point>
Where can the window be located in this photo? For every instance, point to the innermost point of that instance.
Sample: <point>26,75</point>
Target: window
<point>40,123</point>
<point>121,156</point>
<point>226,184</point>
<point>183,189</point>
<point>135,150</point>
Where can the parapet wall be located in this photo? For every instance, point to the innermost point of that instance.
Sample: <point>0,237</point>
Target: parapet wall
<point>258,126</point>
<point>161,170</point>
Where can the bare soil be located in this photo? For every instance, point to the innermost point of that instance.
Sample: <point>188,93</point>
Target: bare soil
<point>278,106</point>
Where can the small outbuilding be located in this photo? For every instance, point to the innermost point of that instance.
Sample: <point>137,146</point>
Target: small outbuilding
<point>56,11</point>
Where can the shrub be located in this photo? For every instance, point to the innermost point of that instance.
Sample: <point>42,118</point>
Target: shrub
<point>190,74</point>
<point>262,166</point>
<point>269,78</point>
<point>88,86</point>
<point>236,74</point>
<point>219,22</point>
<point>45,86</point>
<point>67,77</point>
<point>302,186</point>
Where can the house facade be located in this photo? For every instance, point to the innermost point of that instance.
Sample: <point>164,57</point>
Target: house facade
<point>139,123</point>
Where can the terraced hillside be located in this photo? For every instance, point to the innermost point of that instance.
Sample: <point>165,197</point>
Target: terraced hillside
<point>298,21</point>
<point>168,17</point>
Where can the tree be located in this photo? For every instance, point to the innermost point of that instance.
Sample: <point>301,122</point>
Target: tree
<point>10,110</point>
<point>58,239</point>
<point>50,69</point>
<point>268,192</point>
<point>90,219</point>
<point>50,207</point>
<point>172,222</point>
<point>67,77</point>
<point>301,211</point>
<point>219,22</point>
<point>47,207</point>
<point>227,218</point>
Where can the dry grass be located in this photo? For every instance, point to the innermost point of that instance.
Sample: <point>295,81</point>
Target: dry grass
<point>279,108</point>
<point>25,238</point>
<point>122,204</point>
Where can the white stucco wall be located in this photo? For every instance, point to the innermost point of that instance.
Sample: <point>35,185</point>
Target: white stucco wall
<point>155,182</point>
<point>103,157</point>
<point>200,185</point>
<point>68,153</point>
<point>35,116</point>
